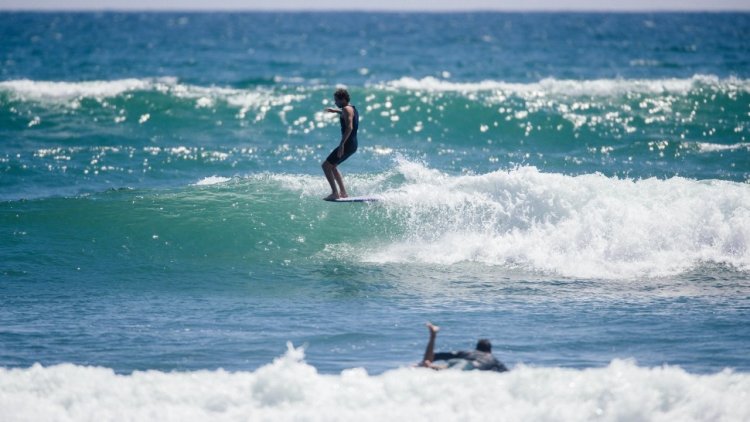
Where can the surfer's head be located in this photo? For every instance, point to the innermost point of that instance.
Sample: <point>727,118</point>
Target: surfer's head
<point>484,345</point>
<point>341,96</point>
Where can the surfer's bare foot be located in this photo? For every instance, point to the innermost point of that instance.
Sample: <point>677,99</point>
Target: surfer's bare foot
<point>343,195</point>
<point>332,197</point>
<point>433,328</point>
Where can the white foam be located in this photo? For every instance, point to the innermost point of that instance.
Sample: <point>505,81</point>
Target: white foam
<point>205,97</point>
<point>551,86</point>
<point>710,147</point>
<point>212,180</point>
<point>289,389</point>
<point>51,90</point>
<point>582,226</point>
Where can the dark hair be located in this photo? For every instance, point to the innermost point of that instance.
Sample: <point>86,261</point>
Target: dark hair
<point>484,345</point>
<point>341,94</point>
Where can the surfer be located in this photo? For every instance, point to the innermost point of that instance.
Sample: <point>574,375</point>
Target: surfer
<point>349,119</point>
<point>481,358</point>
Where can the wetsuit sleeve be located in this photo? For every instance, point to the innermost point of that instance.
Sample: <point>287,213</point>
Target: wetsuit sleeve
<point>450,355</point>
<point>487,362</point>
<point>499,367</point>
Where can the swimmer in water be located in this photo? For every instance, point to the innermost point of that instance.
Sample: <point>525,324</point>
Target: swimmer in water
<point>481,358</point>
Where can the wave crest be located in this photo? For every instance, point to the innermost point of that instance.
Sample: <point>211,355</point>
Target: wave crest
<point>598,87</point>
<point>71,93</point>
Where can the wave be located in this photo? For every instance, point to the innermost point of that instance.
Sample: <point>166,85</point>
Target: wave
<point>290,389</point>
<point>205,95</point>
<point>483,113</point>
<point>577,226</point>
<point>479,113</point>
<point>71,93</point>
<point>58,90</point>
<point>587,226</point>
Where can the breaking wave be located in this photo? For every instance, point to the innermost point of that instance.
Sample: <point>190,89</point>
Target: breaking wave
<point>290,389</point>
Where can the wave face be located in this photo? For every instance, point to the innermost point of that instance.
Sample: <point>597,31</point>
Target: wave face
<point>588,226</point>
<point>290,389</point>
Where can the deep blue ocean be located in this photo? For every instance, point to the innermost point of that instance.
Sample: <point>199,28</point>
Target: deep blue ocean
<point>573,186</point>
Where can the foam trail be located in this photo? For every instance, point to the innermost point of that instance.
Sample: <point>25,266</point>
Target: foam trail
<point>711,147</point>
<point>290,389</point>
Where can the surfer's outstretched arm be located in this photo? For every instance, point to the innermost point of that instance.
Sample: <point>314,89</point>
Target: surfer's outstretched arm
<point>429,353</point>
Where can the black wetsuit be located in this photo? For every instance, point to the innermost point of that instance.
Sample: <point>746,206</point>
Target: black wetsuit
<point>350,146</point>
<point>472,360</point>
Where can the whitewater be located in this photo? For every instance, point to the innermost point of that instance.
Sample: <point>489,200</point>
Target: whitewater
<point>588,226</point>
<point>290,389</point>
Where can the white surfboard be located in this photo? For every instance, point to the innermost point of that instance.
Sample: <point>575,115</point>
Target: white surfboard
<point>355,199</point>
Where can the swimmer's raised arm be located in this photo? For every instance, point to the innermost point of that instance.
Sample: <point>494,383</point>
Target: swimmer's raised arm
<point>429,353</point>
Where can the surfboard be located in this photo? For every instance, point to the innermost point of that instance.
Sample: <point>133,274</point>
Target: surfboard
<point>355,199</point>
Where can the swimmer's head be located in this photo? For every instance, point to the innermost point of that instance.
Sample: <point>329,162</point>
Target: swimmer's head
<point>484,345</point>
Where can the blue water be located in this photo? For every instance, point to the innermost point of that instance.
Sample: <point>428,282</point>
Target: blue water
<point>572,186</point>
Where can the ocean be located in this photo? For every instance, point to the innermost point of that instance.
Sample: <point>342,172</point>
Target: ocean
<point>573,186</point>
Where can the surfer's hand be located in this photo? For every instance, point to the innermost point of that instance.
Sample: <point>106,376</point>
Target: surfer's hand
<point>331,110</point>
<point>341,152</point>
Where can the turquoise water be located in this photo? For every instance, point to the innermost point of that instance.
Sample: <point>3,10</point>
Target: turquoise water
<point>572,186</point>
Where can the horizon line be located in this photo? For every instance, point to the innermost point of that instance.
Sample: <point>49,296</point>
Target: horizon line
<point>363,10</point>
